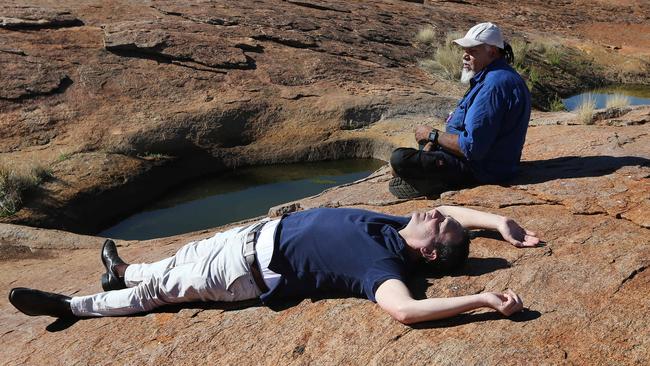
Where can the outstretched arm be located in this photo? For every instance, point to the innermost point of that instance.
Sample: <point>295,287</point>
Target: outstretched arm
<point>507,227</point>
<point>394,297</point>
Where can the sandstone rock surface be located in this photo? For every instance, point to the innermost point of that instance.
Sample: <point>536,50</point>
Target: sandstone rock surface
<point>585,290</point>
<point>213,85</point>
<point>123,99</point>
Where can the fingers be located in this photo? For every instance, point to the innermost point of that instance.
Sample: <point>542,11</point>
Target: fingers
<point>528,241</point>
<point>516,297</point>
<point>531,233</point>
<point>514,303</point>
<point>532,240</point>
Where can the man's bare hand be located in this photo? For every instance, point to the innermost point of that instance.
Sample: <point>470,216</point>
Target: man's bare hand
<point>428,147</point>
<point>507,303</point>
<point>516,235</point>
<point>422,133</point>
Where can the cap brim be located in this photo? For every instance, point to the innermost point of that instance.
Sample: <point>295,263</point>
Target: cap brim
<point>466,42</point>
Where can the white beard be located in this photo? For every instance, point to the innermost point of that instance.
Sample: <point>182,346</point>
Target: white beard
<point>466,76</point>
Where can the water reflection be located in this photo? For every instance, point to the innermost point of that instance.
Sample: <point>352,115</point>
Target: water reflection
<point>638,95</point>
<point>237,195</point>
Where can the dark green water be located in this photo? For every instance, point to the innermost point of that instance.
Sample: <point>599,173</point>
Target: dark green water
<point>638,95</point>
<point>237,195</point>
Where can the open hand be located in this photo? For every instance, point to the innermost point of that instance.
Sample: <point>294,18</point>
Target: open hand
<point>507,303</point>
<point>516,235</point>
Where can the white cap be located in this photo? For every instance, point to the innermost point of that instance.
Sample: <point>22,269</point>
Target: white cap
<point>482,33</point>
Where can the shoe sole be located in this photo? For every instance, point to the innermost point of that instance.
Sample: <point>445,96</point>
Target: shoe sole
<point>400,189</point>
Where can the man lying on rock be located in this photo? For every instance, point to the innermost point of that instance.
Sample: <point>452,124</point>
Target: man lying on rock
<point>484,135</point>
<point>304,254</point>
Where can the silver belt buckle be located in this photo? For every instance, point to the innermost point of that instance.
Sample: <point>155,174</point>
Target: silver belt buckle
<point>251,238</point>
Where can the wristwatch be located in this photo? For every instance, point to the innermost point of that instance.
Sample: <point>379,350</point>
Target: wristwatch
<point>433,136</point>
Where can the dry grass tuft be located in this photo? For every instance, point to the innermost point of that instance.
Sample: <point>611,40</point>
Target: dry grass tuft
<point>585,110</point>
<point>14,184</point>
<point>617,100</point>
<point>447,58</point>
<point>426,35</point>
<point>449,39</point>
<point>519,49</point>
<point>450,59</point>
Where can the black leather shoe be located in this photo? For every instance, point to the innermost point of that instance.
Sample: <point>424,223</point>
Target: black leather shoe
<point>34,302</point>
<point>110,279</point>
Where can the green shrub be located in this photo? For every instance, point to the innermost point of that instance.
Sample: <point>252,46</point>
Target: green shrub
<point>533,78</point>
<point>556,104</point>
<point>585,111</point>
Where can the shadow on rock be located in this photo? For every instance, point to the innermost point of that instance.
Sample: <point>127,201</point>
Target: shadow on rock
<point>61,324</point>
<point>462,319</point>
<point>480,266</point>
<point>208,305</point>
<point>65,323</point>
<point>474,266</point>
<point>539,171</point>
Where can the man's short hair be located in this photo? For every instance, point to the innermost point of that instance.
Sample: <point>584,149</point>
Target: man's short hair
<point>451,256</point>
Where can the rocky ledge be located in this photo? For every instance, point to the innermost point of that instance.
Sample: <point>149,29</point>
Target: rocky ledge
<point>123,100</point>
<point>118,96</point>
<point>583,189</point>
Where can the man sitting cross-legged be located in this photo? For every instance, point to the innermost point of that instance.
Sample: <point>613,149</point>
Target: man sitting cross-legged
<point>304,254</point>
<point>484,136</point>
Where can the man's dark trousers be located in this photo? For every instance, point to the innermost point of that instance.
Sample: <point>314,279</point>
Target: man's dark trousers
<point>431,172</point>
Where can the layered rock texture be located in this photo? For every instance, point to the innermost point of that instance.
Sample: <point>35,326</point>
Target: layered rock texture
<point>584,190</point>
<point>124,99</point>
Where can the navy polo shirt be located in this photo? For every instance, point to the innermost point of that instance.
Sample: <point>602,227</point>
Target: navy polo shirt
<point>339,250</point>
<point>491,121</point>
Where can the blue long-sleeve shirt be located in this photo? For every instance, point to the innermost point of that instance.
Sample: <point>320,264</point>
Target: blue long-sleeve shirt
<point>491,121</point>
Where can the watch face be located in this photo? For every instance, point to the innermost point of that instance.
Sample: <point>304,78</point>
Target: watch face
<point>433,135</point>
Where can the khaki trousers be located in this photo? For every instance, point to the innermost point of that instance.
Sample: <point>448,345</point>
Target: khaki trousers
<point>212,269</point>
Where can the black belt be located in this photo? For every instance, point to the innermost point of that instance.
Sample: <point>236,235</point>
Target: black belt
<point>250,254</point>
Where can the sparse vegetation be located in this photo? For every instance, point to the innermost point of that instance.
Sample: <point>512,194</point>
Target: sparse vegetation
<point>447,58</point>
<point>119,146</point>
<point>426,35</point>
<point>553,54</point>
<point>556,104</point>
<point>617,100</point>
<point>538,47</point>
<point>63,157</point>
<point>551,51</point>
<point>519,50</point>
<point>153,156</point>
<point>429,65</point>
<point>533,78</point>
<point>585,111</point>
<point>14,185</point>
<point>449,39</point>
<point>39,174</point>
